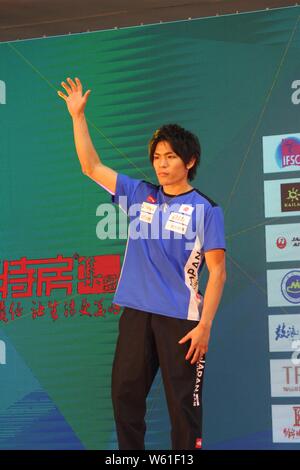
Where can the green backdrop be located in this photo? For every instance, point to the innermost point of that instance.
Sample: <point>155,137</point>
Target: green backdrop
<point>227,79</point>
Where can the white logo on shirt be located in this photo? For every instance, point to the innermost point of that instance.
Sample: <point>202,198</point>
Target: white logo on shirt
<point>147,212</point>
<point>178,222</point>
<point>179,218</point>
<point>186,209</point>
<point>146,207</point>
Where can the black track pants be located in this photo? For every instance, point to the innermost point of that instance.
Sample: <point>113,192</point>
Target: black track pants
<point>147,341</point>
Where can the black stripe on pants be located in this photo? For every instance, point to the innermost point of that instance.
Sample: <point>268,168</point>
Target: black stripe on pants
<point>147,341</point>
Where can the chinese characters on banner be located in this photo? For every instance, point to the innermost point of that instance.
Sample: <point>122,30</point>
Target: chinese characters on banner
<point>77,275</point>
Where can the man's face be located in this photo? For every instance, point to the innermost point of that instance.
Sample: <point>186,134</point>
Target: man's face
<point>169,167</point>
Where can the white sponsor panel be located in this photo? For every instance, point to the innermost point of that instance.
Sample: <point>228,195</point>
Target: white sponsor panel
<point>286,423</point>
<point>146,217</point>
<point>147,207</point>
<point>283,286</point>
<point>282,242</point>
<point>179,218</point>
<point>281,153</point>
<point>284,332</point>
<point>186,209</point>
<point>175,227</point>
<point>272,195</point>
<point>285,378</point>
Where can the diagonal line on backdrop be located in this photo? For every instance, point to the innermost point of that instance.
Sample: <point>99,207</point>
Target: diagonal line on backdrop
<point>248,276</point>
<point>261,115</point>
<point>228,237</point>
<point>89,122</point>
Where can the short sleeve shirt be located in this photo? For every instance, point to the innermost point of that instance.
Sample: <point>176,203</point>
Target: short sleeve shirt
<point>165,252</point>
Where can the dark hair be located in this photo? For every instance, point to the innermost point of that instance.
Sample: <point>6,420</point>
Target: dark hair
<point>185,144</point>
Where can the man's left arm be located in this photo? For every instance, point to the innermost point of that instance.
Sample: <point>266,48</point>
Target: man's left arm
<point>199,336</point>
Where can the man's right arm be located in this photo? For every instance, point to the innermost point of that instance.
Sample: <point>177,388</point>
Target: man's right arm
<point>90,162</point>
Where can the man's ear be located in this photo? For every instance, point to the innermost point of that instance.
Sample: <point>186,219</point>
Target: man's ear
<point>191,163</point>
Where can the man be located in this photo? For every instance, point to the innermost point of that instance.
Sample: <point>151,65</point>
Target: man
<point>166,321</point>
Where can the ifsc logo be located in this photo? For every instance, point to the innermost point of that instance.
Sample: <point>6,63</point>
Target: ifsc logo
<point>288,152</point>
<point>290,287</point>
<point>2,352</point>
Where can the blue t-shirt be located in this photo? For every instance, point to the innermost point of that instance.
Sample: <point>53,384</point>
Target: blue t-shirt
<point>167,239</point>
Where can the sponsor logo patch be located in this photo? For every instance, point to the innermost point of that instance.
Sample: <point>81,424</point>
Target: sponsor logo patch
<point>186,209</point>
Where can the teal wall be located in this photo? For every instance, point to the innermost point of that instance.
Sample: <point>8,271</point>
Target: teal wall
<point>227,79</point>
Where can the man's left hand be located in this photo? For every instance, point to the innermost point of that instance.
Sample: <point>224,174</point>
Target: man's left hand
<point>199,337</point>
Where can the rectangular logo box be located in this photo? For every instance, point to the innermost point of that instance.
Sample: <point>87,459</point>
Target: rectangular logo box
<point>285,377</point>
<point>286,423</point>
<point>281,153</point>
<point>282,197</point>
<point>282,242</point>
<point>284,332</point>
<point>283,287</point>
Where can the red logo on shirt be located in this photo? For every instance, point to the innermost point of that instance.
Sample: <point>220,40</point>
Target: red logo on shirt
<point>198,444</point>
<point>151,199</point>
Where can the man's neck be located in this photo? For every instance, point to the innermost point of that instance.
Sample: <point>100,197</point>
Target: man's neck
<point>177,188</point>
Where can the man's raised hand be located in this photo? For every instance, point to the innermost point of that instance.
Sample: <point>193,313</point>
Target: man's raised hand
<point>75,100</point>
